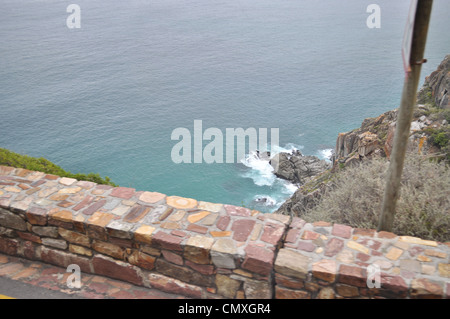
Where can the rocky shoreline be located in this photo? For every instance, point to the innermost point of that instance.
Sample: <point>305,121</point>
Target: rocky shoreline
<point>429,134</point>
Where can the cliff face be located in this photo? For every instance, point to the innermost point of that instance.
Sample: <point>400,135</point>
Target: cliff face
<point>375,136</point>
<point>363,143</point>
<point>429,134</point>
<point>436,86</point>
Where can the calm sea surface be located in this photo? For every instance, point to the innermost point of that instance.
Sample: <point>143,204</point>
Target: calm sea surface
<point>105,98</point>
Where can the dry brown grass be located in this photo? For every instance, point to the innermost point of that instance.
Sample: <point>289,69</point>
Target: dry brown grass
<point>423,209</point>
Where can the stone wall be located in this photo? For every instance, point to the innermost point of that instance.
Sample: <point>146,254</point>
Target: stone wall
<point>207,250</point>
<point>321,260</point>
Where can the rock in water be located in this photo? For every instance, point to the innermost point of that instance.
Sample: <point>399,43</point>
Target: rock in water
<point>264,200</point>
<point>296,168</point>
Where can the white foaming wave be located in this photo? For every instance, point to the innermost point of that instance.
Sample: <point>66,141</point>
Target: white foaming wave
<point>288,148</point>
<point>265,200</point>
<point>325,154</point>
<point>289,188</point>
<point>262,171</point>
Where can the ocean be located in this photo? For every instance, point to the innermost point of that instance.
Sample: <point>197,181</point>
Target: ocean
<point>106,97</point>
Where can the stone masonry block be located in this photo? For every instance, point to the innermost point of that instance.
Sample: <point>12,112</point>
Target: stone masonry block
<point>123,192</point>
<point>425,288</point>
<point>343,231</point>
<point>61,216</point>
<point>197,249</point>
<point>74,237</point>
<point>325,269</point>
<point>226,286</point>
<point>109,267</point>
<point>37,216</point>
<point>167,241</point>
<point>353,276</point>
<point>11,220</point>
<point>174,286</point>
<point>258,259</point>
<point>142,260</point>
<point>256,289</point>
<point>222,253</point>
<point>292,264</point>
<point>144,234</point>
<point>182,273</point>
<point>272,233</point>
<point>284,293</point>
<point>97,223</point>
<point>8,246</point>
<point>64,259</point>
<point>242,228</point>
<point>136,213</point>
<point>151,197</point>
<point>109,249</point>
<point>120,229</point>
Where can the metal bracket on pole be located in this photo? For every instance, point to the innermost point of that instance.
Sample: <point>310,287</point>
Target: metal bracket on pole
<point>420,62</point>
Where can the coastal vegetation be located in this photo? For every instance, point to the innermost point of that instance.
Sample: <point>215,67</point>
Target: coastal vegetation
<point>355,195</point>
<point>9,158</point>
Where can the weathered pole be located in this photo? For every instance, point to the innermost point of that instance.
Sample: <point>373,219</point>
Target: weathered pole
<point>405,114</point>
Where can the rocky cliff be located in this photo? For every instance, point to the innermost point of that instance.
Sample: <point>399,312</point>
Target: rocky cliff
<point>436,86</point>
<point>429,135</point>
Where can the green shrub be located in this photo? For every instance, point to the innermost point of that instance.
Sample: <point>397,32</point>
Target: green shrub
<point>440,138</point>
<point>423,209</point>
<point>40,164</point>
<point>425,96</point>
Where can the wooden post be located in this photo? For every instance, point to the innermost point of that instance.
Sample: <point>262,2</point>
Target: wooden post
<point>405,114</point>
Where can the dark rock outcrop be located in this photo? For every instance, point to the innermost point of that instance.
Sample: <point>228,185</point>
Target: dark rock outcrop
<point>296,167</point>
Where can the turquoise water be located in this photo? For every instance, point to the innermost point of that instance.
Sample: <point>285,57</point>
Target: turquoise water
<point>106,97</point>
